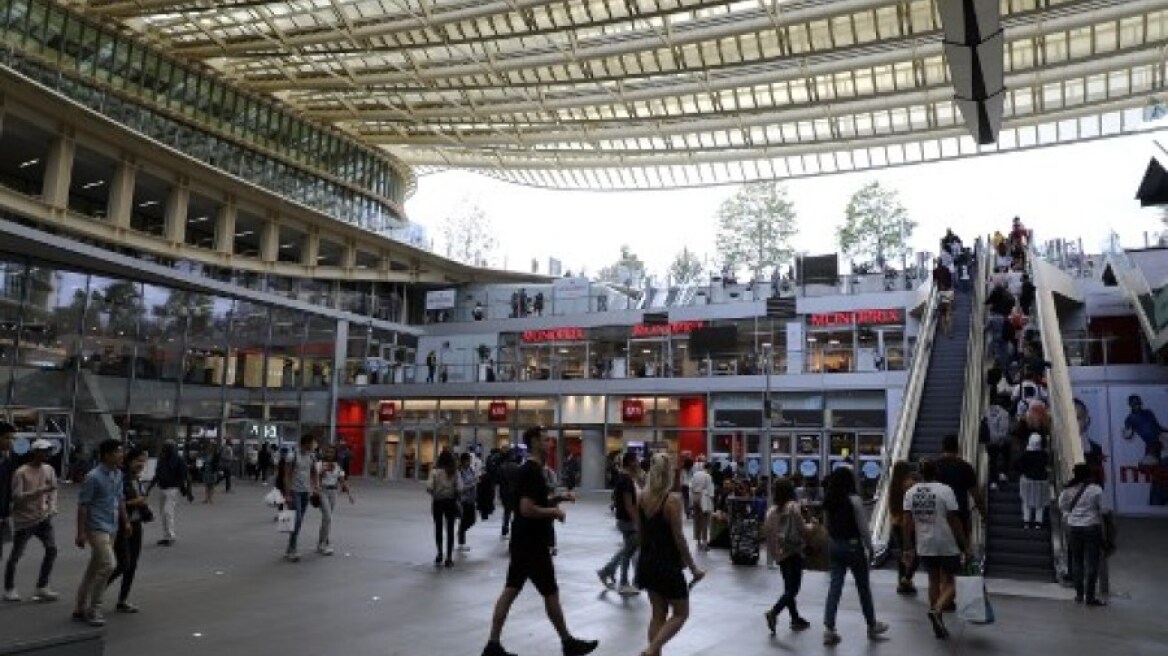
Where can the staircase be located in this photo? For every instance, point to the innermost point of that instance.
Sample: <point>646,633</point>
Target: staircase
<point>941,399</point>
<point>1013,552</point>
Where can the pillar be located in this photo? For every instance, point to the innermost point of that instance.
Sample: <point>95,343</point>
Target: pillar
<point>593,460</point>
<point>225,227</point>
<point>349,257</point>
<point>176,212</point>
<point>310,250</point>
<point>121,197</point>
<point>59,170</point>
<point>340,353</point>
<point>270,240</point>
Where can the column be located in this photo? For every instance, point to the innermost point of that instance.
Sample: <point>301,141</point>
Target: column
<point>121,198</point>
<point>59,170</point>
<point>225,227</point>
<point>176,211</point>
<point>340,353</point>
<point>349,257</point>
<point>270,239</point>
<point>310,250</point>
<point>592,459</point>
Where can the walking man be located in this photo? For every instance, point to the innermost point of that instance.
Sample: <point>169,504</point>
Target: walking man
<point>624,496</point>
<point>531,557</point>
<point>34,503</point>
<point>101,509</point>
<point>301,479</point>
<point>170,476</point>
<point>934,532</point>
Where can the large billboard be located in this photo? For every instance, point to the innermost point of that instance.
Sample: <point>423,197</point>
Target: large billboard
<point>1128,422</point>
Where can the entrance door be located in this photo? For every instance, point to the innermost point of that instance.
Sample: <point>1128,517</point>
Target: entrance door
<point>410,446</point>
<point>390,455</point>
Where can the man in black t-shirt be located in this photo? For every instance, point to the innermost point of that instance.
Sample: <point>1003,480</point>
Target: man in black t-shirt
<point>531,559</point>
<point>624,498</point>
<point>954,471</point>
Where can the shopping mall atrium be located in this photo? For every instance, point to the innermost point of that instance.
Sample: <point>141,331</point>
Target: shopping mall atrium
<point>204,239</point>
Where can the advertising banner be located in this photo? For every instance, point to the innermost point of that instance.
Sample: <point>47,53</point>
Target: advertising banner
<point>497,411</point>
<point>440,299</point>
<point>632,410</point>
<point>1125,423</point>
<point>570,288</point>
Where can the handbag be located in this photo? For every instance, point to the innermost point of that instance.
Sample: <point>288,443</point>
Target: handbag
<point>273,498</point>
<point>286,521</point>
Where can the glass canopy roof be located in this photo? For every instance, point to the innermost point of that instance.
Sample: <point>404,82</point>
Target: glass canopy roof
<point>661,93</point>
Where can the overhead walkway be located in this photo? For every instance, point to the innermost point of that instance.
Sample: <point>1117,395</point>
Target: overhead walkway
<point>1143,276</point>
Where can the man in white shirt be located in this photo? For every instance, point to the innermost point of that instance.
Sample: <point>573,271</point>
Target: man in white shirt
<point>34,503</point>
<point>937,535</point>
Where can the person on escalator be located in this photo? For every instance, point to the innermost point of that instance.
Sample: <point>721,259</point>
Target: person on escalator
<point>1026,298</point>
<point>943,279</point>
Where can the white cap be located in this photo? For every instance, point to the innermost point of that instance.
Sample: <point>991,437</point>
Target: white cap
<point>42,445</point>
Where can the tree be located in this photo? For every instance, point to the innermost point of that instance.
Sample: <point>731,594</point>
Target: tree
<point>876,228</point>
<point>625,271</point>
<point>755,227</point>
<point>469,236</point>
<point>686,267</point>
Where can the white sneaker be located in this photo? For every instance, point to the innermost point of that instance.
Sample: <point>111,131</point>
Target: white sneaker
<point>325,550</point>
<point>830,637</point>
<point>628,591</point>
<point>11,595</point>
<point>877,629</point>
<point>292,557</point>
<point>45,594</point>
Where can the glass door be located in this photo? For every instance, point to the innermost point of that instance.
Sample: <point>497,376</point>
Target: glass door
<point>409,448</point>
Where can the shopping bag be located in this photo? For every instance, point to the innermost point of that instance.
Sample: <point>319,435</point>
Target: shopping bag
<point>973,603</point>
<point>273,498</point>
<point>286,521</point>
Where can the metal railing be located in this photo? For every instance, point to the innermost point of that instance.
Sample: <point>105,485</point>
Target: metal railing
<point>1066,443</point>
<point>898,448</point>
<point>974,402</point>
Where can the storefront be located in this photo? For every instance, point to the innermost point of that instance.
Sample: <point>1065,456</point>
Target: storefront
<point>860,340</point>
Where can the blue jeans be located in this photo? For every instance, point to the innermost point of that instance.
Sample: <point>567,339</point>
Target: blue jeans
<point>625,555</point>
<point>847,555</point>
<point>299,502</point>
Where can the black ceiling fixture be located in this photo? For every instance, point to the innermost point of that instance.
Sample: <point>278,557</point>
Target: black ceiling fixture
<point>973,49</point>
<point>1153,189</point>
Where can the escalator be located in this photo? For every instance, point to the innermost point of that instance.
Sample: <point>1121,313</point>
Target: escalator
<point>941,399</point>
<point>1037,554</point>
<point>1143,276</point>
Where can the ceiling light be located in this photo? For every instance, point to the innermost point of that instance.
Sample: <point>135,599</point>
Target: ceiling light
<point>833,342</point>
<point>646,351</point>
<point>148,203</point>
<point>198,219</point>
<point>245,233</point>
<point>287,245</point>
<point>91,185</point>
<point>811,340</point>
<point>31,162</point>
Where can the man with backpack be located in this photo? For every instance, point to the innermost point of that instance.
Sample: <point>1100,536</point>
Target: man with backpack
<point>995,435</point>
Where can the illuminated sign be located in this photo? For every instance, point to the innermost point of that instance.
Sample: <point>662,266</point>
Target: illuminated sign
<point>387,412</point>
<point>675,328</point>
<point>497,411</point>
<point>555,335</point>
<point>632,410</point>
<point>857,318</point>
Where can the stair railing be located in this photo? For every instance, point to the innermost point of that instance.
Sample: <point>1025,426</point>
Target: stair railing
<point>1066,442</point>
<point>881,522</point>
<point>973,404</point>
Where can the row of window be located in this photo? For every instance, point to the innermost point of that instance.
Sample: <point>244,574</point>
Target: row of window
<point>93,53</point>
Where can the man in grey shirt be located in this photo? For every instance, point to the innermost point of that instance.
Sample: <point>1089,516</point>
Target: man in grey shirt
<point>301,479</point>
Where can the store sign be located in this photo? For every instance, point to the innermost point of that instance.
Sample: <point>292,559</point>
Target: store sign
<point>440,299</point>
<point>632,410</point>
<point>387,412</point>
<point>857,318</point>
<point>554,335</point>
<point>497,411</point>
<point>675,328</point>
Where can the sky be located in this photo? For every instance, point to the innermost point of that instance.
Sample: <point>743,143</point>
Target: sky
<point>1077,191</point>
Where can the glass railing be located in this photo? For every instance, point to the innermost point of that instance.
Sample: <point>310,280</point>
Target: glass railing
<point>901,442</point>
<point>976,392</point>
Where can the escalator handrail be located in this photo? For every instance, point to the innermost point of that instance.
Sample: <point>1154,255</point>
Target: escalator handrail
<point>975,397</point>
<point>906,422</point>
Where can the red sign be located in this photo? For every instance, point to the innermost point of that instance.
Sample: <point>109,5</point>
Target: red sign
<point>554,335</point>
<point>632,410</point>
<point>387,412</point>
<point>675,328</point>
<point>857,318</point>
<point>497,411</point>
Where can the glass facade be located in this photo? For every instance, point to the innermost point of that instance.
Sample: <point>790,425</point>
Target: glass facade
<point>111,357</point>
<point>202,116</point>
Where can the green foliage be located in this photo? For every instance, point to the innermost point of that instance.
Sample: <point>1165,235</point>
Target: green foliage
<point>755,227</point>
<point>876,229</point>
<point>469,236</point>
<point>686,267</point>
<point>625,270</point>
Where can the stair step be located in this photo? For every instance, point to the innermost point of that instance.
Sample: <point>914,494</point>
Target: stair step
<point>1021,560</point>
<point>1019,573</point>
<point>1025,546</point>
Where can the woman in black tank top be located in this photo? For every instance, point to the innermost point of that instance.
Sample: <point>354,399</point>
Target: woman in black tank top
<point>664,555</point>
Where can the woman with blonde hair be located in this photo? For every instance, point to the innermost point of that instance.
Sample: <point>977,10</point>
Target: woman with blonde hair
<point>664,555</point>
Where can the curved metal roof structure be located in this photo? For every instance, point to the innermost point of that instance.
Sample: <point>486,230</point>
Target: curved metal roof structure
<point>660,93</point>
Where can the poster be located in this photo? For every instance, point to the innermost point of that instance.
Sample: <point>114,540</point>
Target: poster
<point>440,299</point>
<point>1127,423</point>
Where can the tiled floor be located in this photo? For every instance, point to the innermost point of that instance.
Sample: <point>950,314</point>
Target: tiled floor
<point>223,589</point>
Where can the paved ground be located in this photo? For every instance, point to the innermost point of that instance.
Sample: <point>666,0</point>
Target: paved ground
<point>223,589</point>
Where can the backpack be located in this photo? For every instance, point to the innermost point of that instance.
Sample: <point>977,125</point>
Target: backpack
<point>1027,392</point>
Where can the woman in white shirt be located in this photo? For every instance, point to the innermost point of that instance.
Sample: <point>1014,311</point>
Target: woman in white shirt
<point>1086,510</point>
<point>332,479</point>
